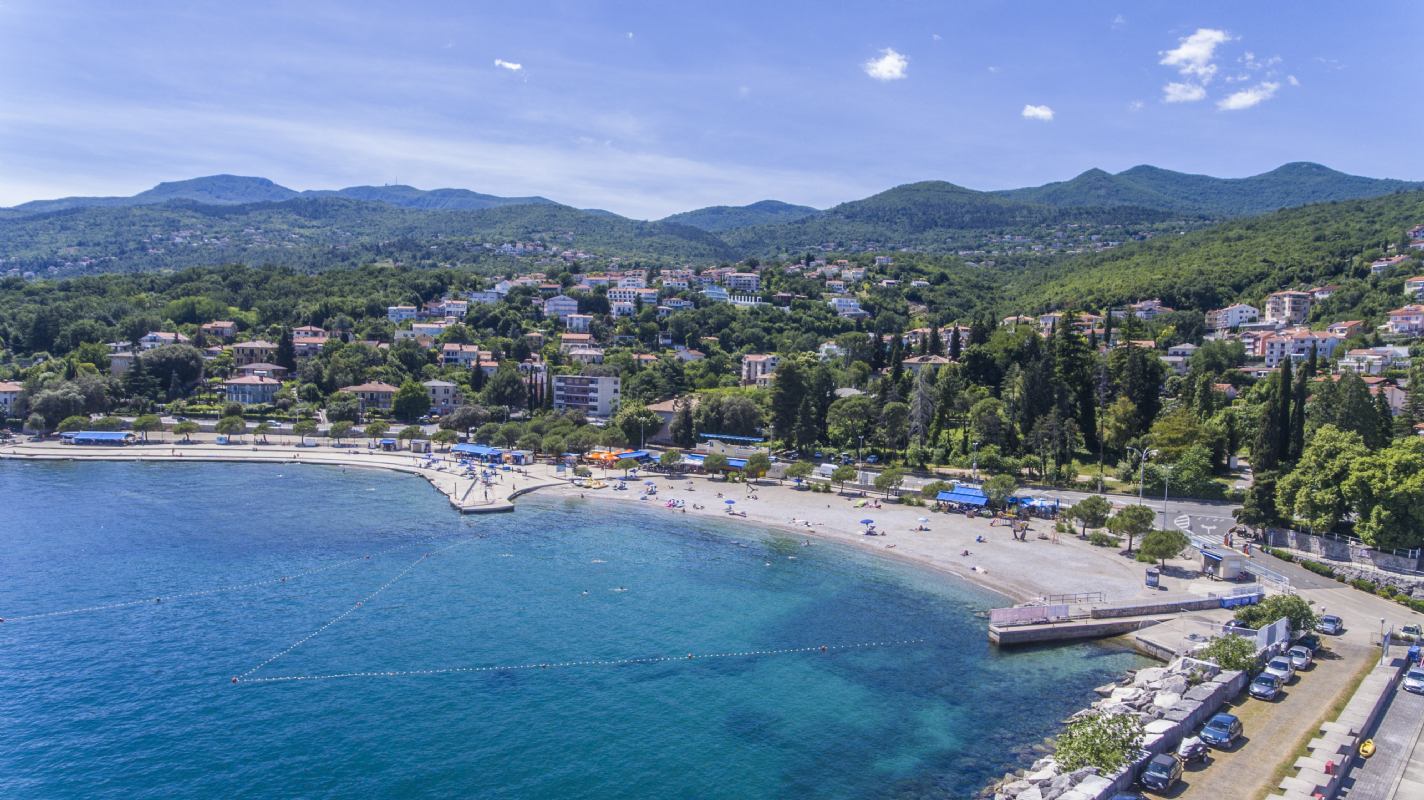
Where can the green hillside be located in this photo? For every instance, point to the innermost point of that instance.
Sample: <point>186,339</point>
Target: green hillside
<point>1287,186</point>
<point>718,219</point>
<point>1247,257</point>
<point>930,216</point>
<point>314,233</point>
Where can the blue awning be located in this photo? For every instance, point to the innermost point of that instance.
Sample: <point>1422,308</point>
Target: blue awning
<point>97,437</point>
<point>967,498</point>
<point>731,438</point>
<point>635,454</point>
<point>388,441</point>
<point>1214,556</point>
<point>737,463</point>
<point>479,450</point>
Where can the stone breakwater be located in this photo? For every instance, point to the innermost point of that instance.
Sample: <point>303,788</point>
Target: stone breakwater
<point>1169,701</point>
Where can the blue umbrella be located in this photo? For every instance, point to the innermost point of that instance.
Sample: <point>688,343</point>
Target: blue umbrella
<point>867,522</point>
<point>730,502</point>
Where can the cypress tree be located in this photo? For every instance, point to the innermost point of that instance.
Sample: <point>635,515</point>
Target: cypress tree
<point>1297,427</point>
<point>936,345</point>
<point>954,343</point>
<point>286,351</point>
<point>1284,388</point>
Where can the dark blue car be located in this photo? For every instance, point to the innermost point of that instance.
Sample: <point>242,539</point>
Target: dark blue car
<point>1221,731</point>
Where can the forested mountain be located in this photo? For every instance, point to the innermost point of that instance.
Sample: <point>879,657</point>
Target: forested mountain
<point>232,218</point>
<point>238,190</point>
<point>1302,246</point>
<point>314,233</point>
<point>934,216</point>
<point>724,218</point>
<point>1289,185</point>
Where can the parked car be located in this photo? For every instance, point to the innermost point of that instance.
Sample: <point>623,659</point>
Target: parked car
<point>1233,628</point>
<point>1412,631</point>
<point>1331,624</point>
<point>1414,680</point>
<point>1281,667</point>
<point>1162,773</point>
<point>1300,657</point>
<point>1265,687</point>
<point>1221,731</point>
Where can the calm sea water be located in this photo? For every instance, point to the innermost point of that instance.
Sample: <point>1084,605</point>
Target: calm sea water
<point>137,701</point>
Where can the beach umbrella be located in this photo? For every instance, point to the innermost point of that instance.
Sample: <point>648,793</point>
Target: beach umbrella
<point>924,519</point>
<point>867,522</point>
<point>648,483</point>
<point>730,502</point>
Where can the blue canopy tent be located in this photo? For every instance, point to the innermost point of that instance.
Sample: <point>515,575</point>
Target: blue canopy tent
<point>97,437</point>
<point>479,452</point>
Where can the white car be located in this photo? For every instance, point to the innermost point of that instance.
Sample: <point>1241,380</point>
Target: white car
<point>1280,666</point>
<point>1300,657</point>
<point>1414,680</point>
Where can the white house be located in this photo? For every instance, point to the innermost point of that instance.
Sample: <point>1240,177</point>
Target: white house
<point>1233,316</point>
<point>400,313</point>
<point>1291,308</point>
<point>757,368</point>
<point>595,395</point>
<point>560,306</point>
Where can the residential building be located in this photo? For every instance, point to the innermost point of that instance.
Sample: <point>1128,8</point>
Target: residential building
<point>1296,344</point>
<point>568,341</point>
<point>274,371</point>
<point>757,368</point>
<point>578,323</point>
<point>1373,360</point>
<point>251,389</point>
<point>633,280</point>
<point>1325,292</point>
<point>744,282</point>
<point>594,395</point>
<point>219,329</point>
<point>1291,308</point>
<point>1232,317</point>
<point>1345,328</point>
<point>559,307</point>
<point>484,296</point>
<point>622,308</point>
<point>372,395</point>
<point>1383,265</point>
<point>586,355</point>
<point>120,361</point>
<point>9,393</point>
<point>847,307</point>
<point>459,355</point>
<point>444,395</point>
<point>256,351</point>
<point>154,339</point>
<point>400,313</point>
<point>679,303</point>
<point>715,293</point>
<point>1413,287</point>
<point>1406,321</point>
<point>916,363</point>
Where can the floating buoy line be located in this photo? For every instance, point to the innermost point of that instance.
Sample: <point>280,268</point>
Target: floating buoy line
<point>613,662</point>
<point>359,603</point>
<point>234,587</point>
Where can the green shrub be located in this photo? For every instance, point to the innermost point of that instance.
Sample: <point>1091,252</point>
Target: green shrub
<point>1100,539</point>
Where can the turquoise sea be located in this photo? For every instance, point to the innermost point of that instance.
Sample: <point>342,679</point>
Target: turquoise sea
<point>134,698</point>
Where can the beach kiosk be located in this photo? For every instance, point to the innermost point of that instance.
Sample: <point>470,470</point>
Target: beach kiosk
<point>1222,564</point>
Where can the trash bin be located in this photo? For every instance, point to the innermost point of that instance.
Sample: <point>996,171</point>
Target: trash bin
<point>1153,575</point>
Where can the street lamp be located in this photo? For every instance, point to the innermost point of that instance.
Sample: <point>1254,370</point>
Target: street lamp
<point>860,445</point>
<point>1142,454</point>
<point>1166,482</point>
<point>974,474</point>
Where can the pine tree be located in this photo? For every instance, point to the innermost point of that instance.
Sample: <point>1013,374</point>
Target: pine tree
<point>787,393</point>
<point>954,343</point>
<point>897,358</point>
<point>922,410</point>
<point>1265,451</point>
<point>1384,422</point>
<point>936,345</point>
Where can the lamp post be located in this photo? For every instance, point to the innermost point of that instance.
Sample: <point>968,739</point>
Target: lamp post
<point>974,473</point>
<point>1142,455</point>
<point>860,445</point>
<point>1166,482</point>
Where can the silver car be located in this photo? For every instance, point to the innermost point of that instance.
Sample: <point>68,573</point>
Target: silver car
<point>1300,657</point>
<point>1414,680</point>
<point>1280,666</point>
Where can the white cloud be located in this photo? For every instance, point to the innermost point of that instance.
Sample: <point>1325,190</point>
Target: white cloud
<point>1292,80</point>
<point>1248,98</point>
<point>1135,105</point>
<point>1041,113</point>
<point>890,66</point>
<point>630,34</point>
<point>1193,56</point>
<point>1119,22</point>
<point>509,65</point>
<point>993,69</point>
<point>936,36</point>
<point>1182,93</point>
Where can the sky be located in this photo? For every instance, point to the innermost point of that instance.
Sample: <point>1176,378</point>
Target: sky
<point>649,108</point>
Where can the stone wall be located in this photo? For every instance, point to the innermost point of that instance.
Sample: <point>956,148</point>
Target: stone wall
<point>1339,550</point>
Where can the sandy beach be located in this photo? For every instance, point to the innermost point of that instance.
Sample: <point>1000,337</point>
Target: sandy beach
<point>975,549</point>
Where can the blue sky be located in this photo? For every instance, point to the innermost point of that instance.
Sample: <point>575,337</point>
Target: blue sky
<point>647,108</point>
